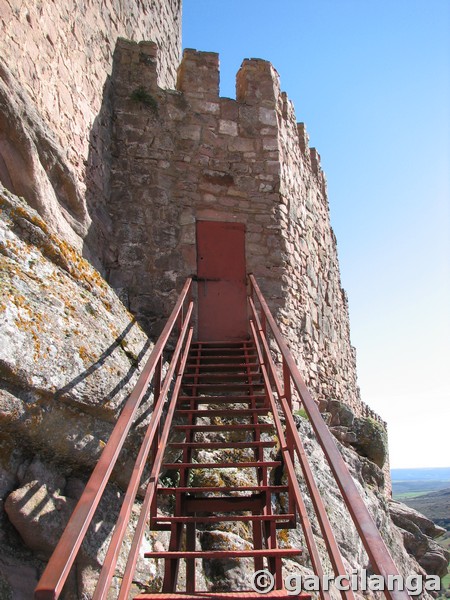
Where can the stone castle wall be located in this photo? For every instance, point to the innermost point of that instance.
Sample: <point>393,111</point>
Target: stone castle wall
<point>55,61</point>
<point>187,154</point>
<point>151,169</point>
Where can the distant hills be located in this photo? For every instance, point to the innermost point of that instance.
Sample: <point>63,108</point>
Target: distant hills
<point>435,506</point>
<point>410,483</point>
<point>425,490</point>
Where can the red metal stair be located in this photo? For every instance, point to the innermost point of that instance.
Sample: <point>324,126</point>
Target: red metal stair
<point>195,508</point>
<point>217,409</point>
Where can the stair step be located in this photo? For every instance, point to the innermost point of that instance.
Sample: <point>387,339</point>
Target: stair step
<point>273,489</point>
<point>223,360</point>
<point>211,505</point>
<point>241,595</point>
<point>225,366</point>
<point>221,377</point>
<point>222,343</point>
<point>223,352</point>
<point>227,465</point>
<point>222,387</point>
<point>223,399</point>
<point>218,554</point>
<point>221,445</point>
<point>238,412</point>
<point>225,518</point>
<point>224,428</point>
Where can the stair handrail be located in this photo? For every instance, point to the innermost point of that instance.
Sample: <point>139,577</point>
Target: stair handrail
<point>288,460</point>
<point>58,568</point>
<point>290,443</point>
<point>381,560</point>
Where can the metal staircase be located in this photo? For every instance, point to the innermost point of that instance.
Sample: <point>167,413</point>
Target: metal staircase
<point>224,407</point>
<point>221,410</point>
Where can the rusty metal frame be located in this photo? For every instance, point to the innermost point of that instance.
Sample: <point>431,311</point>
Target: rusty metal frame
<point>295,444</point>
<point>276,395</point>
<point>54,577</point>
<point>289,465</point>
<point>381,560</point>
<point>150,491</point>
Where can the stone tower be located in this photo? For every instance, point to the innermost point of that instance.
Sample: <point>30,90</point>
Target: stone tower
<point>187,155</point>
<point>122,150</point>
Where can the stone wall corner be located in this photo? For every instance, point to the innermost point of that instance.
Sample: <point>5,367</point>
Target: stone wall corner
<point>257,83</point>
<point>135,65</point>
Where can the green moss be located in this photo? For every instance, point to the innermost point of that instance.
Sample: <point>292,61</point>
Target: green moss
<point>301,412</point>
<point>141,96</point>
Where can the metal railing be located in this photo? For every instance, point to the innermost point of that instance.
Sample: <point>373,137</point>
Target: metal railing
<point>380,558</point>
<point>55,575</point>
<point>166,388</point>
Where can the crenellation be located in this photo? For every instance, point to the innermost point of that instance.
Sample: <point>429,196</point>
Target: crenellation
<point>257,83</point>
<point>303,139</point>
<point>198,75</point>
<point>315,160</point>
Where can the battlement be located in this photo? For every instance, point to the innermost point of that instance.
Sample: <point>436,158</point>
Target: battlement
<point>260,105</point>
<point>188,154</point>
<point>257,83</point>
<point>138,64</point>
<point>198,74</point>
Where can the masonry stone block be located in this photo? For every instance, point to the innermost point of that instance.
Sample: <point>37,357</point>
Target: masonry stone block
<point>257,83</point>
<point>198,74</point>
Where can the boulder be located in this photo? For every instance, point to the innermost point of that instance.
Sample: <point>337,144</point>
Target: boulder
<point>406,517</point>
<point>418,531</point>
<point>341,414</point>
<point>39,516</point>
<point>435,560</point>
<point>371,440</point>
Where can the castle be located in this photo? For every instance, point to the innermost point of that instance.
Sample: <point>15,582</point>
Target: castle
<point>138,172</point>
<point>130,157</point>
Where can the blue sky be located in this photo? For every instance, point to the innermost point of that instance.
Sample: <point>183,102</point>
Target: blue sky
<point>371,80</point>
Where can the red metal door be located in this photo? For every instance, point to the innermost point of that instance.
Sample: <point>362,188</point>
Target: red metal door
<point>221,271</point>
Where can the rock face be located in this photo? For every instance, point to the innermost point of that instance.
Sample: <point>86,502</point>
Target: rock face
<point>69,355</point>
<point>68,349</point>
<point>418,535</point>
<point>59,55</point>
<point>34,165</point>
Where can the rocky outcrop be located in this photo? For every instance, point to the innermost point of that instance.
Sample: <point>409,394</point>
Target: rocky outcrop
<point>33,164</point>
<point>365,434</point>
<point>69,355</point>
<point>418,534</point>
<point>69,351</point>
